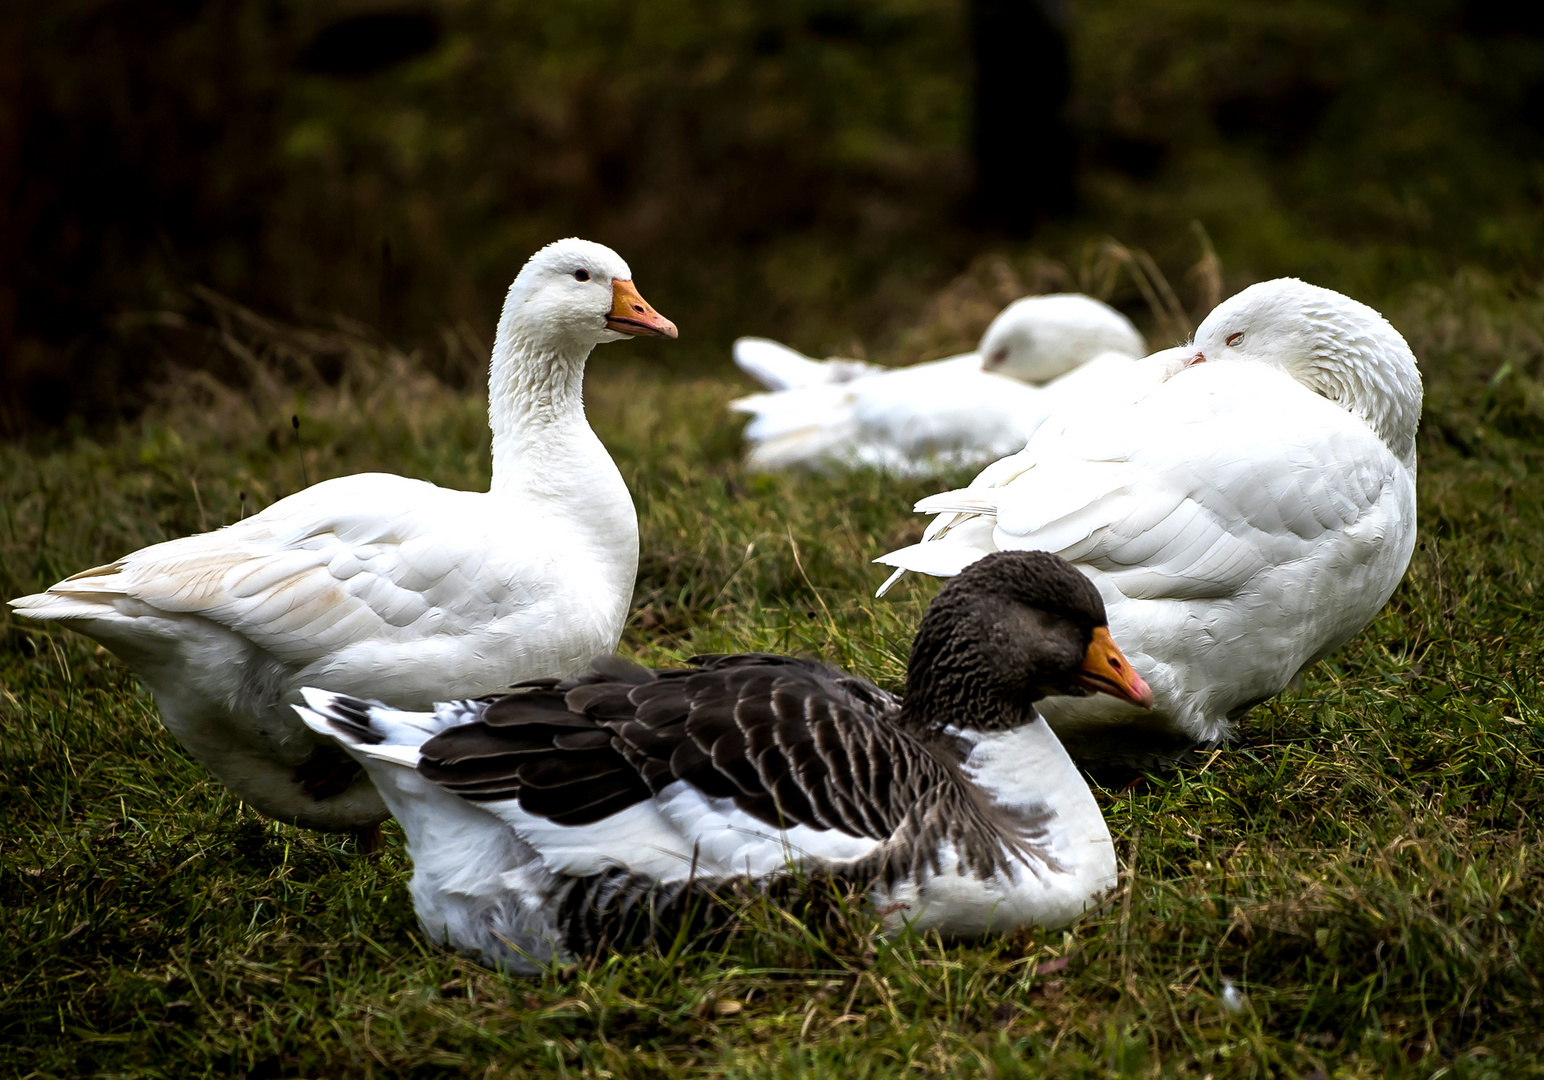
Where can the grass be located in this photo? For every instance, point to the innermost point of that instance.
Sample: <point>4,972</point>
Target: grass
<point>1362,866</point>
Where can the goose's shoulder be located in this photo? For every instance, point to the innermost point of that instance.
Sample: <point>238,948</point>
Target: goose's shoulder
<point>1194,421</point>
<point>356,507</point>
<point>1203,484</point>
<point>1218,414</point>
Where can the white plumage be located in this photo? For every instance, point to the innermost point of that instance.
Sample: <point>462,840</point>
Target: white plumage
<point>936,415</point>
<point>374,581</point>
<point>564,818</point>
<point>1245,504</point>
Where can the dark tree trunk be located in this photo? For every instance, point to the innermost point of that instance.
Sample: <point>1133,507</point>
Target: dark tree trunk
<point>1022,145</point>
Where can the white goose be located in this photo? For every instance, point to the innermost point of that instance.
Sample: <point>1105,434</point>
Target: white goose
<point>1244,509</point>
<point>617,807</point>
<point>936,415</point>
<point>377,583</point>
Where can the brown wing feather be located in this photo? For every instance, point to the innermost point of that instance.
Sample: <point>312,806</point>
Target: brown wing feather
<point>790,741</point>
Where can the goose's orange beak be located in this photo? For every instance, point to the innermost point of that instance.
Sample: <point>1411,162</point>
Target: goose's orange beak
<point>631,314</point>
<point>1106,670</point>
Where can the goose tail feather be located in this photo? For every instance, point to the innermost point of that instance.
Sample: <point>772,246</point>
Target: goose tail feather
<point>938,558</point>
<point>777,367</point>
<point>370,730</point>
<point>48,606</point>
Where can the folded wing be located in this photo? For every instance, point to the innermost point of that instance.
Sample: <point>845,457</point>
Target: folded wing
<point>1218,473</point>
<point>364,559</point>
<point>737,764</point>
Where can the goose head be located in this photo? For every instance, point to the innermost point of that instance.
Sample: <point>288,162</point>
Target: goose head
<point>578,293</point>
<point>570,296</point>
<point>1339,348</point>
<point>1008,630</point>
<point>1040,337</point>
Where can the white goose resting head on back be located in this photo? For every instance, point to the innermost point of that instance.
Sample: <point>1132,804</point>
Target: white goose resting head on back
<point>938,414</point>
<point>1338,347</point>
<point>1245,504</point>
<point>1038,338</point>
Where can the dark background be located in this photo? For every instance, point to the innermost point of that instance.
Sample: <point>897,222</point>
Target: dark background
<point>813,169</point>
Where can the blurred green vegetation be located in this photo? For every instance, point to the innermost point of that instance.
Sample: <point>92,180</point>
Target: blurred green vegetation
<point>1364,145</point>
<point>798,169</point>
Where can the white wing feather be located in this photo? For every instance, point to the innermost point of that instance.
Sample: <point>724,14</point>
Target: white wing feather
<point>1183,484</point>
<point>676,835</point>
<point>324,569</point>
<point>907,421</point>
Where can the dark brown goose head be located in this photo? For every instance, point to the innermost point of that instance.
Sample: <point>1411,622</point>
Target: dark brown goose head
<point>1010,629</point>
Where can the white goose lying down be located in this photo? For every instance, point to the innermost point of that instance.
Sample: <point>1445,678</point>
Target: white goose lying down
<point>1244,510</point>
<point>567,817</point>
<point>941,414</point>
<point>394,587</point>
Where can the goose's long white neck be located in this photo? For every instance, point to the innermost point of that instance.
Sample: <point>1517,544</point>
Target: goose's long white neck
<point>548,461</point>
<point>542,441</point>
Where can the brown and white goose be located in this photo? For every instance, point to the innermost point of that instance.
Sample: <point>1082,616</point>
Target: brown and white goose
<point>567,816</point>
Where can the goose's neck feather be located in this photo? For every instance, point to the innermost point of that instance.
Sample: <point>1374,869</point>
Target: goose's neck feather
<point>549,465</point>
<point>541,436</point>
<point>1374,376</point>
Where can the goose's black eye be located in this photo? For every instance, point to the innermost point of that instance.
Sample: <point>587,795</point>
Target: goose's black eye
<point>581,275</point>
<point>1234,339</point>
